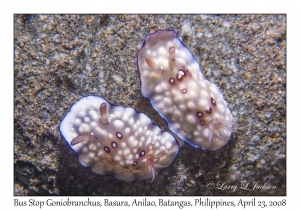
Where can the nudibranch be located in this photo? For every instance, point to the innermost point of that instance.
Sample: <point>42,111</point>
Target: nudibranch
<point>193,107</point>
<point>118,141</point>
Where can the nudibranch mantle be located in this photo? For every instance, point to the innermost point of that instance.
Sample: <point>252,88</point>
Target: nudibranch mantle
<point>193,107</point>
<point>118,141</point>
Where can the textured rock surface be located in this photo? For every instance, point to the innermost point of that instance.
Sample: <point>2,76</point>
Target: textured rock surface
<point>61,58</point>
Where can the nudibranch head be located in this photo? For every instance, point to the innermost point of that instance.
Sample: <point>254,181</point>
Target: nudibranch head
<point>194,108</point>
<point>117,141</point>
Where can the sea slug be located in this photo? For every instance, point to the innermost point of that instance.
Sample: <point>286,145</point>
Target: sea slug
<point>194,108</point>
<point>118,141</point>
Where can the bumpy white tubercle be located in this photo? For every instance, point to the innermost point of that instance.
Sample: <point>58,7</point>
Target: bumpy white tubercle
<point>193,107</point>
<point>117,141</point>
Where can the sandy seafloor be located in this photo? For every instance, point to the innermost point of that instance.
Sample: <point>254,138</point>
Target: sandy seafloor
<point>59,59</point>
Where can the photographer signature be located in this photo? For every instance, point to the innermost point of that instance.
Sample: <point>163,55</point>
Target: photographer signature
<point>244,185</point>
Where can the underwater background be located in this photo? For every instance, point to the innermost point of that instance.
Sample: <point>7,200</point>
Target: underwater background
<point>58,59</point>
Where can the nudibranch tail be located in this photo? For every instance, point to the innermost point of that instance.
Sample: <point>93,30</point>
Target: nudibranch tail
<point>150,160</point>
<point>219,126</point>
<point>152,169</point>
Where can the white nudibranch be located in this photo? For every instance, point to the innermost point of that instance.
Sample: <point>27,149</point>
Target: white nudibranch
<point>193,107</point>
<point>117,141</point>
